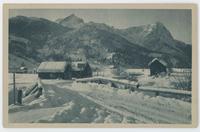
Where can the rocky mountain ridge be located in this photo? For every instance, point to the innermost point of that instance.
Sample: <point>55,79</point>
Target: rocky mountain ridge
<point>71,39</point>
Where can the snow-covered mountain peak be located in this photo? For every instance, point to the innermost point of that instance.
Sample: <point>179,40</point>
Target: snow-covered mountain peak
<point>148,28</point>
<point>71,21</point>
<point>156,30</point>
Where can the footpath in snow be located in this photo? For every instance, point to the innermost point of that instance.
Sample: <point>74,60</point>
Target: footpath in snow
<point>68,102</point>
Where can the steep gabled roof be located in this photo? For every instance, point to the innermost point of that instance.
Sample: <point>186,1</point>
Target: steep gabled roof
<point>156,59</point>
<point>52,66</point>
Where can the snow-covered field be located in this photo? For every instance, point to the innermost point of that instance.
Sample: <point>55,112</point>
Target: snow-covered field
<point>64,101</point>
<point>22,80</point>
<point>163,81</point>
<point>143,77</point>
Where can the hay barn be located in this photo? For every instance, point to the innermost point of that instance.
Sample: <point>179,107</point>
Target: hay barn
<point>54,70</point>
<point>157,66</point>
<point>64,70</point>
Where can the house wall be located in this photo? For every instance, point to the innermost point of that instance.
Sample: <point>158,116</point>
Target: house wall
<point>156,68</point>
<point>51,75</point>
<point>68,73</point>
<point>87,72</point>
<point>77,74</point>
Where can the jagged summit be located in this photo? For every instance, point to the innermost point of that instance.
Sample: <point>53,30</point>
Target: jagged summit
<point>162,29</point>
<point>149,35</point>
<point>73,17</point>
<point>71,21</point>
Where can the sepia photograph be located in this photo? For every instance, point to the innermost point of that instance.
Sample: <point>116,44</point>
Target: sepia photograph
<point>79,65</point>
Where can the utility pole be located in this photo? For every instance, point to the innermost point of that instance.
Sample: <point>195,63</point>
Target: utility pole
<point>14,87</point>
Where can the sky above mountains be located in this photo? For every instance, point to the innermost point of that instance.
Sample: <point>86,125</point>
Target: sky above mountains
<point>177,21</point>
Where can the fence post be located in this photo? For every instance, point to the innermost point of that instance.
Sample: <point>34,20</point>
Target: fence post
<point>14,92</point>
<point>19,96</point>
<point>157,93</point>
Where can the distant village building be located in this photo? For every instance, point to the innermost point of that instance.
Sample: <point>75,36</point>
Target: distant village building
<point>64,70</point>
<point>81,69</point>
<point>157,66</point>
<point>54,70</point>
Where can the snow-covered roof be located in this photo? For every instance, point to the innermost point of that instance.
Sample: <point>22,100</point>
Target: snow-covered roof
<point>79,65</point>
<point>52,66</point>
<point>156,59</point>
<point>22,68</point>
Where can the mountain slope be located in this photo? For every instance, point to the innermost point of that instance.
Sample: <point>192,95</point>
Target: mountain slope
<point>154,36</point>
<point>158,38</point>
<point>37,30</point>
<point>41,40</point>
<point>95,44</point>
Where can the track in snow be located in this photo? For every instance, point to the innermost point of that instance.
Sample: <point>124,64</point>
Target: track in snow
<point>98,103</point>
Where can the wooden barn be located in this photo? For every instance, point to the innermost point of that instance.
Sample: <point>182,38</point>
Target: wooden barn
<point>81,69</point>
<point>157,66</point>
<point>54,70</point>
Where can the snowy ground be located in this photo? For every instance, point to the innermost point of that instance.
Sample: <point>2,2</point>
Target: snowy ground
<point>143,77</point>
<point>22,80</point>
<point>162,81</point>
<point>70,102</point>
